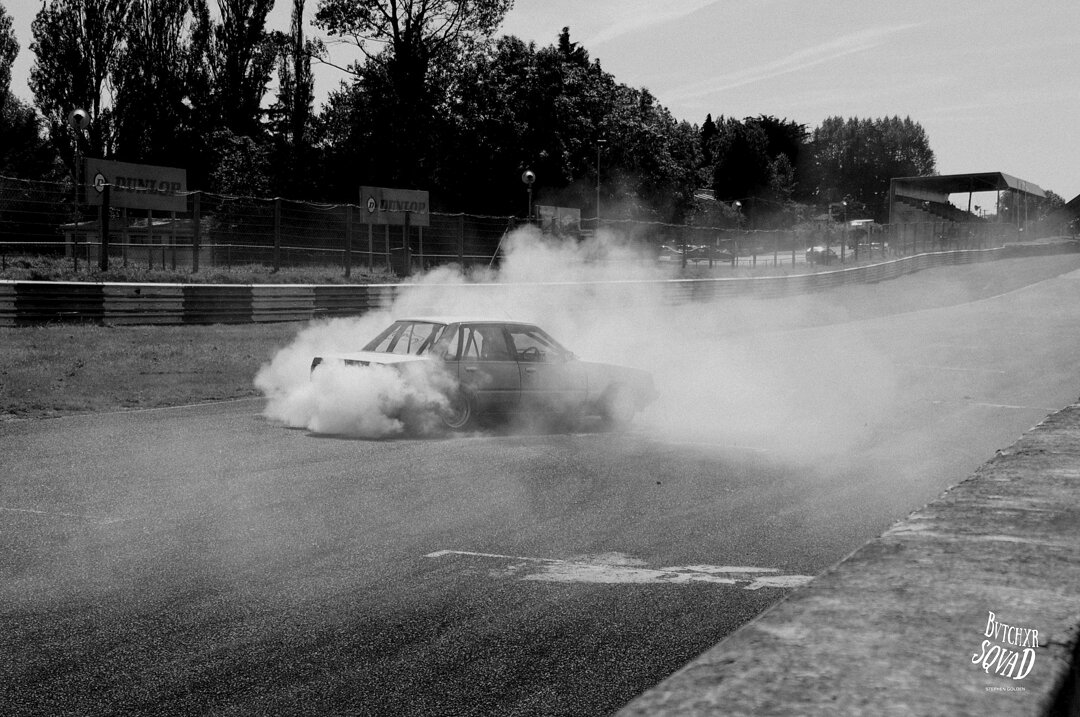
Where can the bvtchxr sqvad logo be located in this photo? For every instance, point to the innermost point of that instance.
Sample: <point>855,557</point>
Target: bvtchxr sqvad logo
<point>1009,650</point>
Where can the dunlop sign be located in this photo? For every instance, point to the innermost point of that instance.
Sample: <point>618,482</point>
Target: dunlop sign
<point>379,205</point>
<point>136,186</point>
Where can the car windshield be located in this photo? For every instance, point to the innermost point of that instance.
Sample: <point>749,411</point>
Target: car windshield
<point>407,337</point>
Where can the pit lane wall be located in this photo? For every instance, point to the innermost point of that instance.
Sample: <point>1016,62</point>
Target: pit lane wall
<point>37,302</point>
<point>970,606</point>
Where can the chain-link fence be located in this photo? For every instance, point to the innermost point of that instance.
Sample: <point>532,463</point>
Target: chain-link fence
<point>219,231</point>
<point>222,231</point>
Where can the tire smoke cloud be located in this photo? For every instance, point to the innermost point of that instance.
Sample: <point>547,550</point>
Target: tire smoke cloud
<point>729,371</point>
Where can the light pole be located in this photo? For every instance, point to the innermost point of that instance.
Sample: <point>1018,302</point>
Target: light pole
<point>527,177</point>
<point>844,238</point>
<point>599,143</point>
<point>78,120</point>
<point>738,225</point>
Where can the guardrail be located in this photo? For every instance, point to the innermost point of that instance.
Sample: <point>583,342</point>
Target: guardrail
<point>37,302</point>
<point>24,303</point>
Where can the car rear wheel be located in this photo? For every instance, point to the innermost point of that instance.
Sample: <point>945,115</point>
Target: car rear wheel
<point>619,407</point>
<point>460,413</point>
<point>570,417</point>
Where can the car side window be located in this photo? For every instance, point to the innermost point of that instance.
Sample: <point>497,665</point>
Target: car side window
<point>447,345</point>
<point>532,346</point>
<point>388,339</point>
<point>484,343</point>
<point>406,337</point>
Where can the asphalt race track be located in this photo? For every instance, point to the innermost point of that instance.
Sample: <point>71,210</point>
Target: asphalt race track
<point>203,560</point>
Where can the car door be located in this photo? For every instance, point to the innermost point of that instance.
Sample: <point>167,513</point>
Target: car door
<point>488,368</point>
<point>551,378</point>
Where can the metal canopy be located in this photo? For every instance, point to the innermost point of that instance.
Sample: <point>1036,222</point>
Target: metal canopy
<point>946,184</point>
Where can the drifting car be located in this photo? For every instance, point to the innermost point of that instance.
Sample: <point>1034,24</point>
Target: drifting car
<point>505,367</point>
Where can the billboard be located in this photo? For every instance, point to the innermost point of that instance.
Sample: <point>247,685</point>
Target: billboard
<point>136,186</point>
<point>559,220</point>
<point>379,205</point>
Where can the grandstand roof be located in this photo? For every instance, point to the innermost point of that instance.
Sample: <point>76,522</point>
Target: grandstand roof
<point>964,183</point>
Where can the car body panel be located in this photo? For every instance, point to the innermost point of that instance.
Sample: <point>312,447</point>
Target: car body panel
<point>551,377</point>
<point>495,384</point>
<point>554,385</point>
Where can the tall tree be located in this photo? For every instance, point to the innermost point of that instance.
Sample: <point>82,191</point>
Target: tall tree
<point>741,152</point>
<point>409,38</point>
<point>747,153</point>
<point>234,58</point>
<point>416,30</point>
<point>572,52</point>
<point>24,154</point>
<point>708,132</point>
<point>9,50</point>
<point>518,107</point>
<point>854,159</point>
<point>295,81</point>
<point>240,59</point>
<point>77,44</point>
<point>291,115</point>
<point>152,80</point>
<point>655,157</point>
<point>756,163</point>
<point>23,151</point>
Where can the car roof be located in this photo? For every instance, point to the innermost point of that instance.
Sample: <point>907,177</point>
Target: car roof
<point>462,320</point>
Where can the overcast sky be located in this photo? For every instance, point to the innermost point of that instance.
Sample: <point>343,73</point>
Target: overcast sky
<point>994,83</point>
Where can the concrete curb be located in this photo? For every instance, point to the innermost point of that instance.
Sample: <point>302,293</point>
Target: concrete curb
<point>901,626</point>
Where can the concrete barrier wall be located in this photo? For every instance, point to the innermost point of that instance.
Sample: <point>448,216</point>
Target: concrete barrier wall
<point>37,302</point>
<point>970,606</point>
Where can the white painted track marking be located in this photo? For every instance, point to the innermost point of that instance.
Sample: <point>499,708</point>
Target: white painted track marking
<point>615,568</point>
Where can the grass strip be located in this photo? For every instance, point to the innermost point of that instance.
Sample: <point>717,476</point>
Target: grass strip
<point>63,369</point>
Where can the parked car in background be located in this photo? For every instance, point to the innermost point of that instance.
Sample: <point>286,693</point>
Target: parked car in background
<point>695,254</point>
<point>669,253</point>
<point>820,255</point>
<point>506,367</point>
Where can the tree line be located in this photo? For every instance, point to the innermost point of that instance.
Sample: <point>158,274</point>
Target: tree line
<point>434,100</point>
